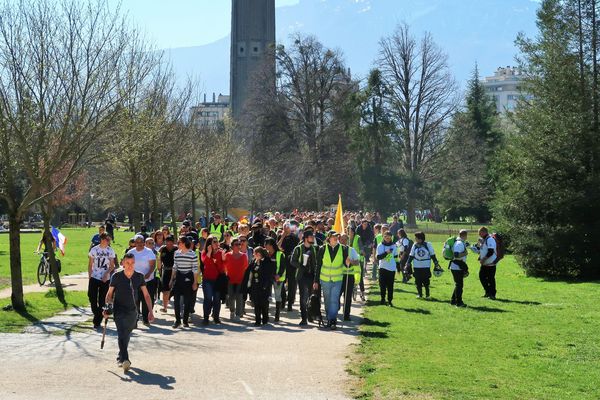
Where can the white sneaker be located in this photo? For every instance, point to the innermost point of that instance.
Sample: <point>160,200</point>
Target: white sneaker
<point>126,365</point>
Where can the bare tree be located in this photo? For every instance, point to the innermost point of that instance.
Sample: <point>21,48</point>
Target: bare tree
<point>60,68</point>
<point>421,96</point>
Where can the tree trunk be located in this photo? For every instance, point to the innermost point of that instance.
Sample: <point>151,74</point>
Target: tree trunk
<point>411,221</point>
<point>171,196</point>
<point>135,203</point>
<point>193,205</point>
<point>16,276</point>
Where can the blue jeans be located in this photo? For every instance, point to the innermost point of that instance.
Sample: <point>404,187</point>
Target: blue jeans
<point>212,299</point>
<point>331,296</point>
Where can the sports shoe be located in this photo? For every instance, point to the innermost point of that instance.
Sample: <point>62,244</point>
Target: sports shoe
<point>126,365</point>
<point>419,296</point>
<point>257,324</point>
<point>120,364</point>
<point>333,324</point>
<point>217,320</point>
<point>492,297</point>
<point>186,325</point>
<point>427,297</point>
<point>362,296</point>
<point>382,302</point>
<point>390,303</point>
<point>348,319</point>
<point>303,323</point>
<point>176,325</point>
<point>461,305</point>
<point>205,322</point>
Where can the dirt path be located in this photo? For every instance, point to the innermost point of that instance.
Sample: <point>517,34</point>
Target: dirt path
<point>227,361</point>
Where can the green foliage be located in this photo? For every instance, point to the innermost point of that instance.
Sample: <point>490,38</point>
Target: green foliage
<point>550,189</point>
<point>538,341</point>
<point>380,184</point>
<point>466,187</point>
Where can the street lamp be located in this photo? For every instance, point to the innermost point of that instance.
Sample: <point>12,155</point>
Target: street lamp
<point>90,209</point>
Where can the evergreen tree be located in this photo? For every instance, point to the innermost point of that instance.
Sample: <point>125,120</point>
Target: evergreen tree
<point>550,190</point>
<point>467,186</point>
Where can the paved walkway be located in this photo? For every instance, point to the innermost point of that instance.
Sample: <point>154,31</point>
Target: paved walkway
<point>69,282</point>
<point>227,361</point>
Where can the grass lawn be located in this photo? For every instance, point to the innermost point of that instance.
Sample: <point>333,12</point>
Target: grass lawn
<point>39,306</point>
<point>75,259</point>
<point>539,340</point>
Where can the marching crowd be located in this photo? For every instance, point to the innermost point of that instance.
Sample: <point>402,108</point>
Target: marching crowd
<point>269,258</point>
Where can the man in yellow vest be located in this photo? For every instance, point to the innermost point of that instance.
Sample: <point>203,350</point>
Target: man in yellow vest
<point>216,228</point>
<point>332,261</point>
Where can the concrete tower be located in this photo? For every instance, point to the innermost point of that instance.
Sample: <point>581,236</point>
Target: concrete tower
<point>252,32</point>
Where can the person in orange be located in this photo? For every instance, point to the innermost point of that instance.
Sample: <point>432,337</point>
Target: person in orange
<point>236,264</point>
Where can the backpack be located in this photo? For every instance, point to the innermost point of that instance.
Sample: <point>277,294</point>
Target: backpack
<point>499,246</point>
<point>448,252</point>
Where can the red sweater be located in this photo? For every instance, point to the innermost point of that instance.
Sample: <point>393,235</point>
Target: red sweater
<point>236,267</point>
<point>213,266</point>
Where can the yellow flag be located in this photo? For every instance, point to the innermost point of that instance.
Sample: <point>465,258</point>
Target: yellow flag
<point>338,226</point>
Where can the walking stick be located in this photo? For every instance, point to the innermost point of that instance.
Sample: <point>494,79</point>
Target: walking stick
<point>103,334</point>
<point>345,297</point>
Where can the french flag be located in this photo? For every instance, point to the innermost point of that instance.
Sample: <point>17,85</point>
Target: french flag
<point>60,239</point>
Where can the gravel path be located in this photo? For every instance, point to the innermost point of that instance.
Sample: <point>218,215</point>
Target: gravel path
<point>227,361</point>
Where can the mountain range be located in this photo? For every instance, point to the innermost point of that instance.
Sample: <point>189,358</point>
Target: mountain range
<point>469,31</point>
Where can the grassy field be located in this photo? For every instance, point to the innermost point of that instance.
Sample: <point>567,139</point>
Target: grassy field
<point>75,258</point>
<point>39,306</point>
<point>539,340</point>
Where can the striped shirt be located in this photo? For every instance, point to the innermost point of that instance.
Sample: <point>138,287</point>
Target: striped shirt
<point>186,262</point>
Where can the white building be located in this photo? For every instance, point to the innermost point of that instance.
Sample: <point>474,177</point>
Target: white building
<point>210,113</point>
<point>504,87</point>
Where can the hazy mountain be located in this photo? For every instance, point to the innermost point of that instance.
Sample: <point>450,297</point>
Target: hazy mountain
<point>470,31</point>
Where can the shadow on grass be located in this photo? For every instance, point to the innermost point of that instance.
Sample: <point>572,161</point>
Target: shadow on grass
<point>487,309</point>
<point>375,335</point>
<point>525,303</point>
<point>25,314</point>
<point>370,322</point>
<point>414,310</point>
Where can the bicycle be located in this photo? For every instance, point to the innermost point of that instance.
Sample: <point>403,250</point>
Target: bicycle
<point>43,270</point>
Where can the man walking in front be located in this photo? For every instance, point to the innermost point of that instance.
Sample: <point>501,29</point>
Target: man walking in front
<point>304,259</point>
<point>145,263</point>
<point>121,300</point>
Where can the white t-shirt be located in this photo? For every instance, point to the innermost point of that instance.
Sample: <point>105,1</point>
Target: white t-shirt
<point>142,261</point>
<point>486,244</point>
<point>102,258</point>
<point>459,247</point>
<point>422,255</point>
<point>353,254</point>
<point>403,244</point>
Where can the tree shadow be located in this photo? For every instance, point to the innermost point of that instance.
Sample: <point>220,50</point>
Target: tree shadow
<point>144,377</point>
<point>487,309</point>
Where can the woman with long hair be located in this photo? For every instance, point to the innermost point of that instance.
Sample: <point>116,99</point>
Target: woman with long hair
<point>184,280</point>
<point>212,259</point>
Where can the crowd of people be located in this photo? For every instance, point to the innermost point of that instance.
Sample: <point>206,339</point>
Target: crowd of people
<point>280,259</point>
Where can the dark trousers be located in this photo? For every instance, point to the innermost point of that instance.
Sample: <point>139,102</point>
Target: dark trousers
<point>422,276</point>
<point>125,323</point>
<point>487,276</point>
<point>459,277</point>
<point>97,295</point>
<point>141,301</point>
<point>261,307</point>
<point>363,268</point>
<point>386,283</point>
<point>212,299</point>
<point>291,284</point>
<point>305,287</point>
<point>183,289</point>
<point>347,283</point>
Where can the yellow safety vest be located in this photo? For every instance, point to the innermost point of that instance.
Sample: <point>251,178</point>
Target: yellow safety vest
<point>332,270</point>
<point>278,258</point>
<point>215,230</point>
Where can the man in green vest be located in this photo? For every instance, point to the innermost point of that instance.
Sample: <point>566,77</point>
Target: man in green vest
<point>350,275</point>
<point>216,228</point>
<point>332,261</point>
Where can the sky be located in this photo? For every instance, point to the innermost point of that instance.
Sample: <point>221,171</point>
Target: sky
<point>182,23</point>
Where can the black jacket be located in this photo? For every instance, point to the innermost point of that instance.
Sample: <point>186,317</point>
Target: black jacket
<point>297,261</point>
<point>261,276</point>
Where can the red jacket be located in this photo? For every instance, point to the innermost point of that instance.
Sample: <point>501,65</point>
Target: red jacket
<point>236,268</point>
<point>213,266</point>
